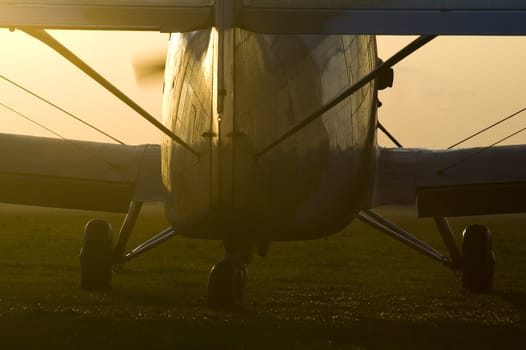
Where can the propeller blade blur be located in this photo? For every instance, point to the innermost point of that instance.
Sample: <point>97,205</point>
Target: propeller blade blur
<point>149,68</point>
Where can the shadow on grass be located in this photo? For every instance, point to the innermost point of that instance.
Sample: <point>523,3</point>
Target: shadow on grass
<point>517,299</point>
<point>254,333</point>
<point>145,298</point>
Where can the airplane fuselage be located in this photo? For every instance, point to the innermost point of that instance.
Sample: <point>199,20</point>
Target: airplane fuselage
<point>229,96</point>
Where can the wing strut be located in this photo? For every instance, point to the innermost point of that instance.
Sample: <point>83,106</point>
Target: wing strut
<point>371,218</point>
<point>47,39</point>
<point>388,134</point>
<point>400,55</point>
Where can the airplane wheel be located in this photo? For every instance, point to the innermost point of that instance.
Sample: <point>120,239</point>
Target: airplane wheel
<point>478,259</point>
<point>226,285</point>
<point>96,256</point>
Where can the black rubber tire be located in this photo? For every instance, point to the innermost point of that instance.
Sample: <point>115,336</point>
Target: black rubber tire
<point>226,286</point>
<point>478,259</point>
<point>96,256</point>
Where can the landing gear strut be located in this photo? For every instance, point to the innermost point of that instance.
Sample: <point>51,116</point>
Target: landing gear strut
<point>478,259</point>
<point>228,278</point>
<point>98,257</point>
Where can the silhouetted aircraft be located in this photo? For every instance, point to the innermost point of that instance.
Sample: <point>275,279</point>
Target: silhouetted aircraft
<point>270,121</point>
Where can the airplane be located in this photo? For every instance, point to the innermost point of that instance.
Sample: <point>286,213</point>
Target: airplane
<point>270,126</point>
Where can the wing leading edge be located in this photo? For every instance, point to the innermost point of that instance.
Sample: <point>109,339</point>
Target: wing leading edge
<point>77,174</point>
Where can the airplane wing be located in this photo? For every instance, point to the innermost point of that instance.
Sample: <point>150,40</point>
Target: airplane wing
<point>471,181</point>
<point>392,17</point>
<point>155,15</point>
<point>77,174</point>
<point>455,17</point>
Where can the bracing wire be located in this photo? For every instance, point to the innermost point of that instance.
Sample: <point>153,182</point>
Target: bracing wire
<point>31,120</point>
<point>61,109</point>
<point>479,151</point>
<point>47,39</point>
<point>488,128</point>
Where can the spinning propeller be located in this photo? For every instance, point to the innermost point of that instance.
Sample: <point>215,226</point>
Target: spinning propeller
<point>47,39</point>
<point>149,67</point>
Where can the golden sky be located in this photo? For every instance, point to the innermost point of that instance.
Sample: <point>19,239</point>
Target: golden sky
<point>446,91</point>
<point>37,67</point>
<point>453,87</point>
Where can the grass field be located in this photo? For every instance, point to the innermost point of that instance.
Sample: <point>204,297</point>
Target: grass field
<point>355,290</point>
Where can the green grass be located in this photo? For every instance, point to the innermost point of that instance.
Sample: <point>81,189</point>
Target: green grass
<point>355,290</point>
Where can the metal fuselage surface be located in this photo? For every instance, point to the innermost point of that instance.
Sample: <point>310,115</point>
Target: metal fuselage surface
<point>230,95</point>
